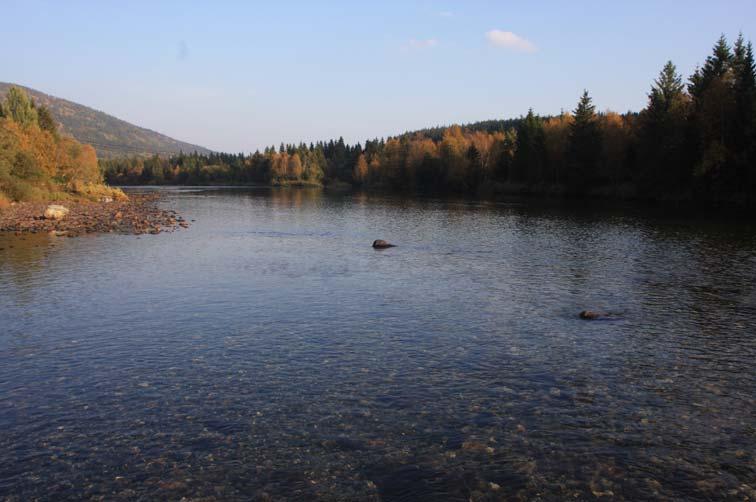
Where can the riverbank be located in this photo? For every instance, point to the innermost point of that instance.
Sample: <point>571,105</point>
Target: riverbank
<point>139,214</point>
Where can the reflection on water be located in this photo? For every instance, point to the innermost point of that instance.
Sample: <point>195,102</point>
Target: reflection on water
<point>23,257</point>
<point>269,352</point>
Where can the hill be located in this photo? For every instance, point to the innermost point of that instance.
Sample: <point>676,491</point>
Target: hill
<point>111,137</point>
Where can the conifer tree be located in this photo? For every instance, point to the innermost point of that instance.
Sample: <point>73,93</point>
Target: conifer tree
<point>664,167</point>
<point>474,169</point>
<point>584,145</point>
<point>744,69</point>
<point>530,150</point>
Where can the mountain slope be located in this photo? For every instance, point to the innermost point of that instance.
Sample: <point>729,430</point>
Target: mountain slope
<point>110,136</point>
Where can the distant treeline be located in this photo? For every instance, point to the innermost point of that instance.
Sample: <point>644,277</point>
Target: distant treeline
<point>691,142</point>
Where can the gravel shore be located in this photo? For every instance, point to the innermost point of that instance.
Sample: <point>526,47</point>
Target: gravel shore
<point>137,215</point>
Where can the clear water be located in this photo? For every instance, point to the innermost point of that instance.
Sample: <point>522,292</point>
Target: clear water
<point>268,352</point>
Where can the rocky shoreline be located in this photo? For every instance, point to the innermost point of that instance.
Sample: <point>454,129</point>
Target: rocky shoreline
<point>139,214</point>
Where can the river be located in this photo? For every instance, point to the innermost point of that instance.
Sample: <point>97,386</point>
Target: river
<point>268,352</point>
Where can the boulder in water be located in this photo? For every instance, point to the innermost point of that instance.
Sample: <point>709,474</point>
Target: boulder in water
<point>592,315</point>
<point>55,212</point>
<point>381,244</point>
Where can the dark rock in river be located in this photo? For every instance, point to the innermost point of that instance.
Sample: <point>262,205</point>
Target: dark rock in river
<point>590,315</point>
<point>381,244</point>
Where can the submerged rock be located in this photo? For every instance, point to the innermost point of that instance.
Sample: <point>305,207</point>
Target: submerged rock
<point>55,212</point>
<point>591,315</point>
<point>381,244</point>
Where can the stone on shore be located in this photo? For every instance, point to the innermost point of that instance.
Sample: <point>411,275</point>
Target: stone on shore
<point>55,212</point>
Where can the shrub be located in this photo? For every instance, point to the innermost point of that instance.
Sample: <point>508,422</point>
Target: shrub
<point>27,167</point>
<point>95,191</point>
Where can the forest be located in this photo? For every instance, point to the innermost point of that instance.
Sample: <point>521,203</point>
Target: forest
<point>37,163</point>
<point>694,141</point>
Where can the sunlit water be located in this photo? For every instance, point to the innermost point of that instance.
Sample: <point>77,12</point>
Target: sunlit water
<point>269,352</point>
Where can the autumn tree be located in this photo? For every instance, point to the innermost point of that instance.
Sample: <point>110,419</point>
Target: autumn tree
<point>294,167</point>
<point>453,150</point>
<point>556,132</point>
<point>360,170</point>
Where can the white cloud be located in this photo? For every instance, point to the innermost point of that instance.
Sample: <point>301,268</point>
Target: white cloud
<point>509,40</point>
<point>423,44</point>
<point>446,13</point>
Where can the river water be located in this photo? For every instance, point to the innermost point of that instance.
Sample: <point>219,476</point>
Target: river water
<point>268,352</point>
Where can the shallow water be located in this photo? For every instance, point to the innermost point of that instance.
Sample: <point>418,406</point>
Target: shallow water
<point>269,352</point>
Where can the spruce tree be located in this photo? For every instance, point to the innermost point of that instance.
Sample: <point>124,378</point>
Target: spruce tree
<point>744,141</point>
<point>744,75</point>
<point>667,87</point>
<point>714,136</point>
<point>474,176</point>
<point>584,146</point>
<point>529,154</point>
<point>664,166</point>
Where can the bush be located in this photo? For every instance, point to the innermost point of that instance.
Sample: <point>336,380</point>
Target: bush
<point>25,166</point>
<point>22,191</point>
<point>95,191</point>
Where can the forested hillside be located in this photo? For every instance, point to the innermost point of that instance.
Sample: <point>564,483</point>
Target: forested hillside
<point>37,163</point>
<point>111,137</point>
<point>693,141</point>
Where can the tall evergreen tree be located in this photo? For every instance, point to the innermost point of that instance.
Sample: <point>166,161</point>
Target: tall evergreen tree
<point>584,146</point>
<point>744,76</point>
<point>713,91</point>
<point>663,165</point>
<point>667,88</point>
<point>744,141</point>
<point>530,151</point>
<point>716,66</point>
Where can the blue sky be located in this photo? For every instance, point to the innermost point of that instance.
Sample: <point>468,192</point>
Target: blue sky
<point>236,76</point>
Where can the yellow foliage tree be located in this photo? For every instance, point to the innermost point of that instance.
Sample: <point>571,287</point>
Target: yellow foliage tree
<point>360,172</point>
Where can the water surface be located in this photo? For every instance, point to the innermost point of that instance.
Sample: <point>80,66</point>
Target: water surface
<point>268,352</point>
